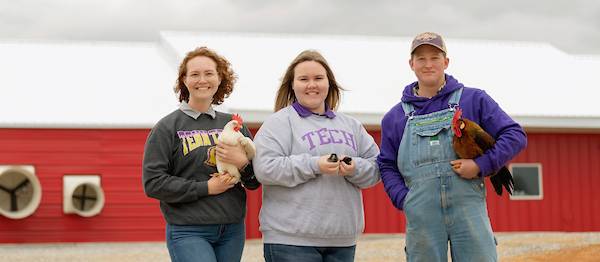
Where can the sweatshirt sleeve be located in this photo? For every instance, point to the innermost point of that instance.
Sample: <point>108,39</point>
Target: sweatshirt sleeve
<point>510,136</point>
<point>273,164</point>
<point>391,134</point>
<point>366,172</point>
<point>157,178</point>
<point>248,177</point>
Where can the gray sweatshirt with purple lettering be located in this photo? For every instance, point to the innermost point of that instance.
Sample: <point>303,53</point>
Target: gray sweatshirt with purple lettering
<point>301,206</point>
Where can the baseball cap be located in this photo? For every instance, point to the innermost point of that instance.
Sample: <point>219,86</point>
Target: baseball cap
<point>428,38</point>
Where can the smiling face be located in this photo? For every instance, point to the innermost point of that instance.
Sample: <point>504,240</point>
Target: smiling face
<point>201,80</point>
<point>429,63</point>
<point>311,85</point>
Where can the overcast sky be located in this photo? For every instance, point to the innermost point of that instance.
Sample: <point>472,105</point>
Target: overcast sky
<point>571,25</point>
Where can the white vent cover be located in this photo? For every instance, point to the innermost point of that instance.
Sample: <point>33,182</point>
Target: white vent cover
<point>20,191</point>
<point>82,195</point>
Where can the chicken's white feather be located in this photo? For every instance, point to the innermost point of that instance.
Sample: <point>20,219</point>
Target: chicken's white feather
<point>230,136</point>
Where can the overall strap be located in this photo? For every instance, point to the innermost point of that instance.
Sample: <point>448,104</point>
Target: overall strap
<point>455,98</point>
<point>408,108</point>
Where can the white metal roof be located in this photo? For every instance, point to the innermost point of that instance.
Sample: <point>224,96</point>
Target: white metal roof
<point>71,85</point>
<point>120,85</point>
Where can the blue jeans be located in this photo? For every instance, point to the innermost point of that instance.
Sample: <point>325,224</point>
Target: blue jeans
<point>207,243</point>
<point>287,253</point>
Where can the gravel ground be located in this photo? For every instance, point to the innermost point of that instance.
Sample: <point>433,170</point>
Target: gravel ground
<point>371,248</point>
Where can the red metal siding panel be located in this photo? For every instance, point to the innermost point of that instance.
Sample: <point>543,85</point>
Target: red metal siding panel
<point>566,205</point>
<point>570,169</point>
<point>253,204</point>
<point>115,155</point>
<point>594,180</point>
<point>380,215</point>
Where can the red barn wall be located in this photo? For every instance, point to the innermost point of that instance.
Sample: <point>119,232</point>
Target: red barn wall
<point>570,166</point>
<point>115,155</point>
<point>570,170</point>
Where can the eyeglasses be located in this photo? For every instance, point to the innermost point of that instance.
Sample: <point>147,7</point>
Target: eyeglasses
<point>197,76</point>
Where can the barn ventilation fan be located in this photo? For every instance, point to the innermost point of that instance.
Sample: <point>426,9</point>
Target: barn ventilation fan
<point>82,195</point>
<point>20,191</point>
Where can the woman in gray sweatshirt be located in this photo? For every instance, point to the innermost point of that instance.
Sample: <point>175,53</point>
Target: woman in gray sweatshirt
<point>312,203</point>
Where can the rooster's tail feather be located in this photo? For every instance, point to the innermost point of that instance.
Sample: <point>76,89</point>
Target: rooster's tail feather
<point>503,178</point>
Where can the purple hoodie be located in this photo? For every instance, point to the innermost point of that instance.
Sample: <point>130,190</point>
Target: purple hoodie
<point>476,105</point>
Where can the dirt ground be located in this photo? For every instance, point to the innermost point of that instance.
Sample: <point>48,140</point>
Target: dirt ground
<point>550,247</point>
<point>512,247</point>
<point>588,253</point>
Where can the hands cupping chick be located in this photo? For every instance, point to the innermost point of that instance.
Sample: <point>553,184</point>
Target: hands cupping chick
<point>334,165</point>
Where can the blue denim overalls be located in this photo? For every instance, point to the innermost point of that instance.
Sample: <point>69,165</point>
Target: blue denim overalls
<point>440,205</point>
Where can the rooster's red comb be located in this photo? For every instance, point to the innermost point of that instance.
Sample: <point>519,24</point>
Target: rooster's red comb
<point>455,127</point>
<point>457,115</point>
<point>237,118</point>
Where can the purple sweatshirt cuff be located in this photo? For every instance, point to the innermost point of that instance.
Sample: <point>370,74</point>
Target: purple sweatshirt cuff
<point>484,167</point>
<point>401,196</point>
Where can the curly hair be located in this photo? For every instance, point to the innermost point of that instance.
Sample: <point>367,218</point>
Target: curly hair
<point>226,75</point>
<point>285,94</point>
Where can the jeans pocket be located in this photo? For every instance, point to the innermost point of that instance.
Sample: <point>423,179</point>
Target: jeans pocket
<point>415,193</point>
<point>479,187</point>
<point>412,190</point>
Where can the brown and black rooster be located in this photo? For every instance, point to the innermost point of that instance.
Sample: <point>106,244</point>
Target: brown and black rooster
<point>471,141</point>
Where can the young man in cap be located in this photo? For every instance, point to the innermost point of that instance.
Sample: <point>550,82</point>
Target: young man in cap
<point>442,204</point>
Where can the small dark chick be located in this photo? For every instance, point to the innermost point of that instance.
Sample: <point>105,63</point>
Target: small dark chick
<point>333,158</point>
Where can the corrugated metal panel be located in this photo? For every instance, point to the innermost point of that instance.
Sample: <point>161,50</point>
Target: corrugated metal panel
<point>380,215</point>
<point>570,164</point>
<point>115,155</point>
<point>570,170</point>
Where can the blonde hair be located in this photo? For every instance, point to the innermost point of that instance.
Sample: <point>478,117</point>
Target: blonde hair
<point>285,94</point>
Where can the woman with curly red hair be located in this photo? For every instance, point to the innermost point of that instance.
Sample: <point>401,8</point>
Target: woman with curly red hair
<point>204,213</point>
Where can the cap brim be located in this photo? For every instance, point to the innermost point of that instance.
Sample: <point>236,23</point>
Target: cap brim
<point>434,45</point>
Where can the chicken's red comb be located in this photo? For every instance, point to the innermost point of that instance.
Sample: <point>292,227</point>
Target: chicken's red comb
<point>457,115</point>
<point>455,127</point>
<point>237,118</point>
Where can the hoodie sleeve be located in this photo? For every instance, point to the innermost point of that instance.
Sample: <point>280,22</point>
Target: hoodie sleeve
<point>366,172</point>
<point>392,130</point>
<point>273,164</point>
<point>510,136</point>
<point>157,166</point>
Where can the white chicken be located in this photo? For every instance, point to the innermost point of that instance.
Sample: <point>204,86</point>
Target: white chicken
<point>231,135</point>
